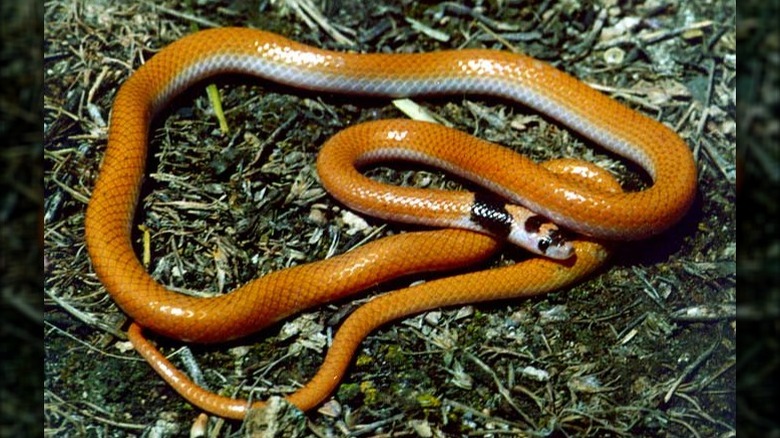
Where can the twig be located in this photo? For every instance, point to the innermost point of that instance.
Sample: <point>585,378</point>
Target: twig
<point>689,369</point>
<point>311,15</point>
<point>184,15</point>
<point>502,389</point>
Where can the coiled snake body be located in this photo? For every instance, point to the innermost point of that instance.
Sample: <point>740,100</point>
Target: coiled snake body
<point>561,191</point>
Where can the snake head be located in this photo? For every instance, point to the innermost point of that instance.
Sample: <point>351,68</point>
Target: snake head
<point>519,226</point>
<point>538,234</point>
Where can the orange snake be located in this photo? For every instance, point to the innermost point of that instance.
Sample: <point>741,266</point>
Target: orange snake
<point>563,193</point>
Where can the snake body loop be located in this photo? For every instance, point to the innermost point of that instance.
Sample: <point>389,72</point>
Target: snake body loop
<point>563,194</point>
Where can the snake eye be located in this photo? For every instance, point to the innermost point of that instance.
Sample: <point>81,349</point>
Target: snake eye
<point>543,244</point>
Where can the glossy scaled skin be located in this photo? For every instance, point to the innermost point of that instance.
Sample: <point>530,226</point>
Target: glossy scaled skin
<point>602,213</point>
